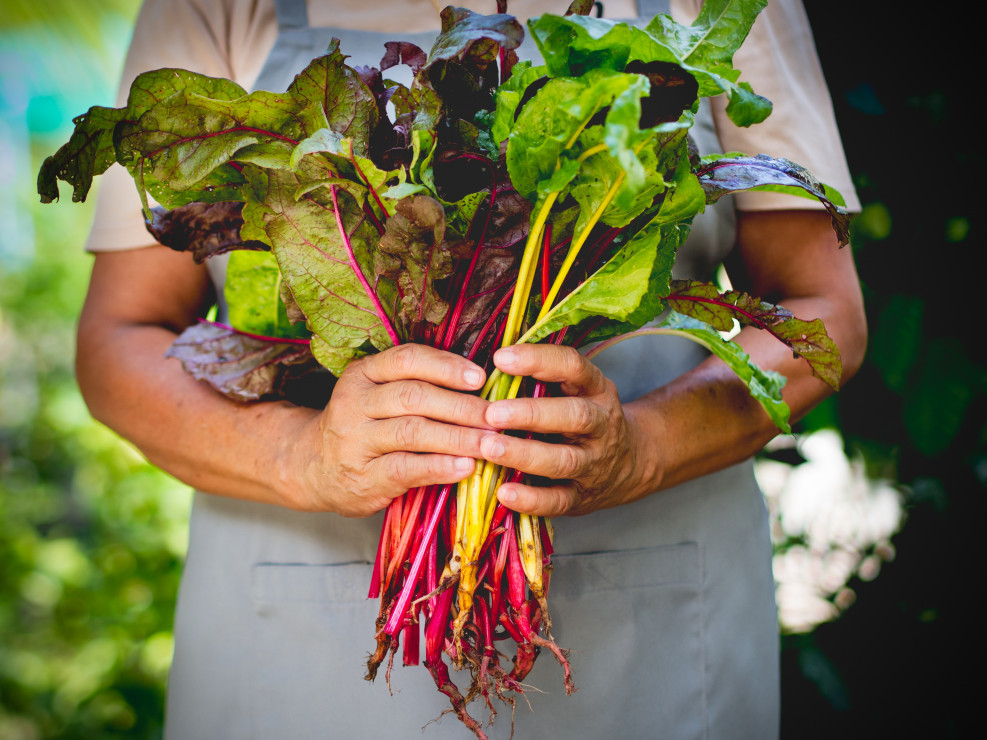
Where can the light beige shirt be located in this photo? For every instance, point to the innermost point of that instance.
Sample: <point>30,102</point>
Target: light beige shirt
<point>232,38</point>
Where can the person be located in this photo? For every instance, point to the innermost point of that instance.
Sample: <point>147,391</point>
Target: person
<point>662,585</point>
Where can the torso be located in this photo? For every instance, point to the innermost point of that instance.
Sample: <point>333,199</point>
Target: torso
<point>667,603</point>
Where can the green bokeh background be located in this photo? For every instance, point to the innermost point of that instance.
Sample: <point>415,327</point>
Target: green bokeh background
<point>92,537</point>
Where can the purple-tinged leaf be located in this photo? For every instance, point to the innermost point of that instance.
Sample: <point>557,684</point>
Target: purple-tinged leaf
<point>499,242</point>
<point>721,176</point>
<point>416,252</point>
<point>580,7</point>
<point>91,149</point>
<point>349,105</point>
<point>806,339</point>
<point>403,52</point>
<point>204,229</point>
<point>242,367</point>
<point>462,65</point>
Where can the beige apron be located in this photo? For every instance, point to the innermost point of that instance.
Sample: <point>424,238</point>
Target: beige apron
<point>667,604</point>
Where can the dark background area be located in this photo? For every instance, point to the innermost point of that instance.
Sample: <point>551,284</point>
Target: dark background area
<point>903,660</point>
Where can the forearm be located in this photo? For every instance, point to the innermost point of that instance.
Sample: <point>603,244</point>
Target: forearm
<point>248,451</point>
<point>706,420</point>
<point>397,420</point>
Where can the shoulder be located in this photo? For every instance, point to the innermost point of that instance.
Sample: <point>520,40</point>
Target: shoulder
<point>220,38</point>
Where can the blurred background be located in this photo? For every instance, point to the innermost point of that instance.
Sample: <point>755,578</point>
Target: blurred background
<point>876,501</point>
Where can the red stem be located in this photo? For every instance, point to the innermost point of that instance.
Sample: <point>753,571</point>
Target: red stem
<point>354,265</point>
<point>408,591</point>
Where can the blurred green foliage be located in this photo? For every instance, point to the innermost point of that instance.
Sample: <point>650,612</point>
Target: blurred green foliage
<point>91,536</point>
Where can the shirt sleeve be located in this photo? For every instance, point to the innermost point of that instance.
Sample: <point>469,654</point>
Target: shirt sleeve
<point>779,59</point>
<point>204,36</point>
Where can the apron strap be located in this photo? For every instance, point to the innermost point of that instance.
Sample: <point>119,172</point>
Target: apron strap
<point>648,9</point>
<point>291,14</point>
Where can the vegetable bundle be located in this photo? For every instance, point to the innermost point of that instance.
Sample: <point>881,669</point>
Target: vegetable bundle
<point>491,202</point>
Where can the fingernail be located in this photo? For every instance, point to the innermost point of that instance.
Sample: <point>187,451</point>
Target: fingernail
<point>499,414</point>
<point>473,377</point>
<point>506,495</point>
<point>492,445</point>
<point>463,464</point>
<point>504,356</point>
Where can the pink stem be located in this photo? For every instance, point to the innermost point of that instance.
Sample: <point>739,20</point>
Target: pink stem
<point>359,273</point>
<point>408,591</point>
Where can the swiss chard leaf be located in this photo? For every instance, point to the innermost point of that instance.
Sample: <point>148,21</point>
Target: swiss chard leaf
<point>461,66</point>
<point>89,152</point>
<point>255,296</point>
<point>330,86</point>
<point>625,290</point>
<point>93,146</point>
<point>573,44</point>
<point>764,385</point>
<point>329,276</point>
<point>414,253</point>
<point>733,173</point>
<point>240,366</point>
<point>204,229</point>
<point>807,339</point>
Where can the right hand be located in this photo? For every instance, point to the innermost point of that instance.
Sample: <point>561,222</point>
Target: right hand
<point>397,420</point>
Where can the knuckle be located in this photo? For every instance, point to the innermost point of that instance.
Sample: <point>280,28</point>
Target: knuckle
<point>566,501</point>
<point>572,361</point>
<point>411,396</point>
<point>406,431</point>
<point>402,359</point>
<point>396,468</point>
<point>467,407</point>
<point>569,462</point>
<point>527,413</point>
<point>581,416</point>
<point>524,455</point>
<point>462,440</point>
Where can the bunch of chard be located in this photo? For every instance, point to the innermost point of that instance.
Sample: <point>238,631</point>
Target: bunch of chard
<point>491,202</point>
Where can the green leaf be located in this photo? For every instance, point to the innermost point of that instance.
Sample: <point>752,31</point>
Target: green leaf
<point>509,95</point>
<point>807,339</point>
<point>92,146</point>
<point>332,154</point>
<point>572,45</point>
<point>253,294</point>
<point>625,289</point>
<point>550,132</point>
<point>316,266</point>
<point>719,30</point>
<point>331,86</point>
<point>89,152</point>
<point>764,385</point>
<point>685,197</point>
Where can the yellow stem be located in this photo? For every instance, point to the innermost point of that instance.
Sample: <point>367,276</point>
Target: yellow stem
<point>526,273</point>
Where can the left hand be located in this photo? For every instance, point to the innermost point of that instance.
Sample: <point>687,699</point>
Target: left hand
<point>596,465</point>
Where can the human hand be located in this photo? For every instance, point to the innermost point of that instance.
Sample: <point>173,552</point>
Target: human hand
<point>599,461</point>
<point>397,420</point>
